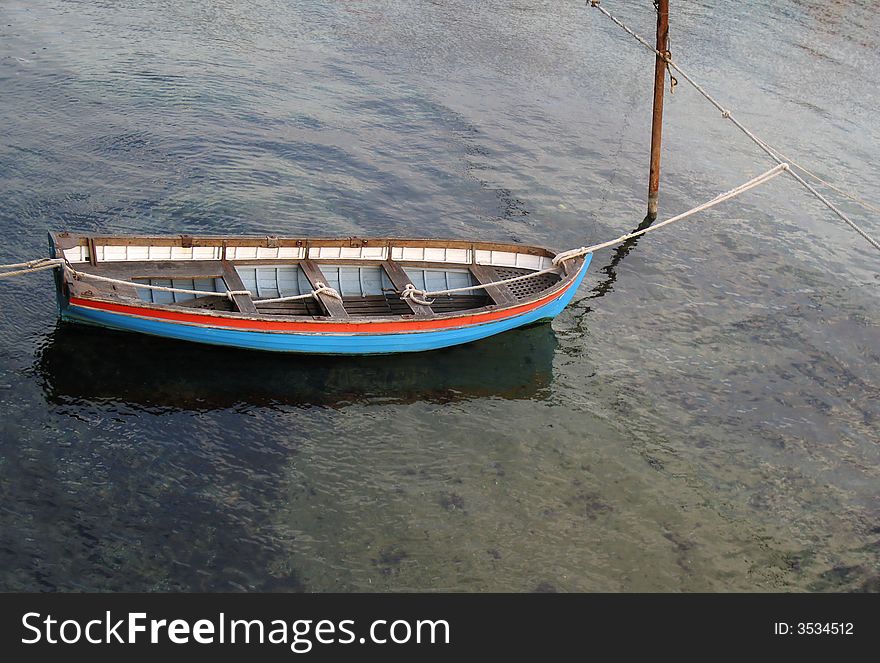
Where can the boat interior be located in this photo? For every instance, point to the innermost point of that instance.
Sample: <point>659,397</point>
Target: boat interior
<point>368,274</point>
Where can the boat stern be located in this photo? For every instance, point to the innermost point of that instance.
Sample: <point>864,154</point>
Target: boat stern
<point>62,294</point>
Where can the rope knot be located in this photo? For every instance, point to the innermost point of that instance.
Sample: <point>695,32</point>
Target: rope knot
<point>232,293</point>
<point>31,266</point>
<point>323,289</point>
<point>560,258</point>
<point>415,295</point>
<point>725,114</point>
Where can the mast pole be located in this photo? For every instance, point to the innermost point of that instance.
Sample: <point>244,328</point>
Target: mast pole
<point>657,121</point>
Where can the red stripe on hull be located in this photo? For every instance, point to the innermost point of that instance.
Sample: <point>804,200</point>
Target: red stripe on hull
<point>318,326</point>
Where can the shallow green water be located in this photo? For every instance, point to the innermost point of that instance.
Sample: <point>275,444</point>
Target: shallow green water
<point>704,417</point>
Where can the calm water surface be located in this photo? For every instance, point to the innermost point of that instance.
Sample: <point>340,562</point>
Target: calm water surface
<point>705,416</point>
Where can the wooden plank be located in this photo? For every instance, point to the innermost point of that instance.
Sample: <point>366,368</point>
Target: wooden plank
<point>274,241</point>
<point>354,262</point>
<point>93,252</point>
<point>306,307</point>
<point>209,268</point>
<point>88,288</point>
<point>500,294</point>
<point>159,269</point>
<point>400,279</point>
<point>460,244</point>
<point>572,266</point>
<point>218,303</point>
<point>243,303</point>
<point>313,273</point>
<point>63,240</point>
<point>371,306</point>
<point>195,240</point>
<point>450,304</point>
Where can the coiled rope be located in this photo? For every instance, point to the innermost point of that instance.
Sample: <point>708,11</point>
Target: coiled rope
<point>727,115</point>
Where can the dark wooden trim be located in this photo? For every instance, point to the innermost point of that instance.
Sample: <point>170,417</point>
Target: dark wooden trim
<point>243,303</point>
<point>314,274</point>
<point>399,280</point>
<point>63,240</point>
<point>197,302</point>
<point>570,267</point>
<point>500,294</point>
<point>101,289</point>
<point>159,269</point>
<point>93,252</point>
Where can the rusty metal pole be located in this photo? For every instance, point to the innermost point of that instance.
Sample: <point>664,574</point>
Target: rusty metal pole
<point>657,122</point>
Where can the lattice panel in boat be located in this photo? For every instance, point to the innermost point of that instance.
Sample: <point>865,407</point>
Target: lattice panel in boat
<point>526,288</point>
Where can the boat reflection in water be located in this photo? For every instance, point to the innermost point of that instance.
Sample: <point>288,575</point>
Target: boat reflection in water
<point>89,365</point>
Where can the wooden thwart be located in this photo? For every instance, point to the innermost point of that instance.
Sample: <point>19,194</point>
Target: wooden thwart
<point>399,280</point>
<point>500,294</point>
<point>314,274</point>
<point>243,303</point>
<point>159,269</point>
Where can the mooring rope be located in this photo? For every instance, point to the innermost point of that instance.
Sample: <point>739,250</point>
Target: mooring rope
<point>843,192</point>
<point>32,263</point>
<point>726,114</point>
<point>742,188</point>
<point>419,296</point>
<point>422,296</point>
<point>31,266</point>
<point>409,292</point>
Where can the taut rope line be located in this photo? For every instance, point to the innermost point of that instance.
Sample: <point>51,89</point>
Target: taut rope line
<point>229,294</point>
<point>415,295</point>
<point>846,194</point>
<point>742,188</point>
<point>322,288</point>
<point>409,292</point>
<point>31,266</point>
<point>726,114</point>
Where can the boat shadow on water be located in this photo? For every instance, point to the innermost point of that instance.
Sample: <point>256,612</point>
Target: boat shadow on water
<point>81,365</point>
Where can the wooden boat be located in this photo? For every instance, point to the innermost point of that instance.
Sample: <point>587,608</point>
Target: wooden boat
<point>324,296</point>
